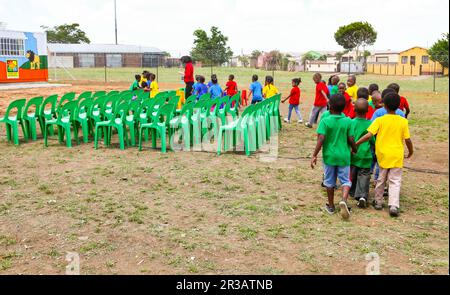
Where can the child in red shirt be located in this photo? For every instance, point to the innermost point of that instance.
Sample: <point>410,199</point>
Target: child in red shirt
<point>231,86</point>
<point>320,101</point>
<point>363,92</point>
<point>404,105</point>
<point>349,109</point>
<point>294,101</point>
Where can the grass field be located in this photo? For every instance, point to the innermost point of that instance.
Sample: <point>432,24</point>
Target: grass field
<point>198,213</point>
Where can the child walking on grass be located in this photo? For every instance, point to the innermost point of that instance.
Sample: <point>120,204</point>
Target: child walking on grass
<point>334,136</point>
<point>269,89</point>
<point>294,100</point>
<point>391,131</point>
<point>320,101</point>
<point>361,162</point>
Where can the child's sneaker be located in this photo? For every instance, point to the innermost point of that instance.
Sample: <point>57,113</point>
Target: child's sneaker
<point>362,203</point>
<point>345,211</point>
<point>300,121</point>
<point>286,120</point>
<point>393,211</point>
<point>377,206</point>
<point>308,125</point>
<point>329,209</point>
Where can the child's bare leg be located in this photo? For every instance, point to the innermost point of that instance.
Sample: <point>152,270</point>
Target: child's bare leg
<point>330,194</point>
<point>345,192</point>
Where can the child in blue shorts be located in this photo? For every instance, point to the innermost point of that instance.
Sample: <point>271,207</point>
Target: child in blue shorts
<point>336,139</point>
<point>255,90</point>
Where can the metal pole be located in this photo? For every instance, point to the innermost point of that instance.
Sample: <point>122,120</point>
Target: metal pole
<point>349,64</point>
<point>115,18</point>
<point>434,78</point>
<point>157,70</point>
<point>105,66</point>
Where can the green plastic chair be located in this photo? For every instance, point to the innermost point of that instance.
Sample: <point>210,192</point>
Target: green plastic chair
<point>30,118</point>
<point>82,119</point>
<point>183,121</point>
<point>113,92</point>
<point>12,122</point>
<point>159,127</point>
<point>174,100</point>
<point>48,114</point>
<point>192,98</point>
<point>146,113</point>
<point>86,94</point>
<point>108,107</point>
<point>233,106</point>
<point>64,121</point>
<point>117,122</point>
<point>95,114</point>
<point>239,127</point>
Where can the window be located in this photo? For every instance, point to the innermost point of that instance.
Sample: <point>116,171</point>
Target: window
<point>9,46</point>
<point>382,59</point>
<point>86,60</point>
<point>404,60</point>
<point>412,60</point>
<point>425,59</point>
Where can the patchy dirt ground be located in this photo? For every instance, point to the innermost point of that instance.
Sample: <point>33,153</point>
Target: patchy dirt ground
<point>130,212</point>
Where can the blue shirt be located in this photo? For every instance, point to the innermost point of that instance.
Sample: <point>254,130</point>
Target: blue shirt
<point>200,89</point>
<point>381,112</point>
<point>215,91</point>
<point>209,84</point>
<point>256,89</point>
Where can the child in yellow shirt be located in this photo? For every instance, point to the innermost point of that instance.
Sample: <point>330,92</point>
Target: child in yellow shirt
<point>391,130</point>
<point>352,88</point>
<point>154,90</point>
<point>269,89</point>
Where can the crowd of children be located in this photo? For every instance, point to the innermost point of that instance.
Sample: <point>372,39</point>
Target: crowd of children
<point>363,131</point>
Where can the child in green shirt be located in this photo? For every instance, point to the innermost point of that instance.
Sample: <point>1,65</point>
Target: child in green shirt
<point>361,162</point>
<point>334,135</point>
<point>135,84</point>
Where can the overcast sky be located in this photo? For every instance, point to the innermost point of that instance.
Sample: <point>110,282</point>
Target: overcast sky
<point>286,25</point>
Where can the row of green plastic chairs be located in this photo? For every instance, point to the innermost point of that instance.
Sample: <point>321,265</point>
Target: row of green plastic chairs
<point>21,113</point>
<point>200,122</point>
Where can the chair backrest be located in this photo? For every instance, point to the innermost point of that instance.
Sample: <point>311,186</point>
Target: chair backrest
<point>86,94</point>
<point>192,98</point>
<point>52,100</point>
<point>110,102</point>
<point>230,106</point>
<point>160,95</point>
<point>171,93</point>
<point>223,102</point>
<point>98,94</point>
<point>97,103</point>
<point>160,101</point>
<point>165,114</point>
<point>64,99</point>
<point>211,107</point>
<point>127,95</point>
<point>135,108</point>
<point>18,104</point>
<point>113,92</point>
<point>69,109</point>
<point>147,107</point>
<point>205,96</point>
<point>122,110</point>
<point>84,106</point>
<point>36,102</point>
<point>174,100</point>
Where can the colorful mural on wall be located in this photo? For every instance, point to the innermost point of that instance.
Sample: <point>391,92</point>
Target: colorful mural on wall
<point>23,57</point>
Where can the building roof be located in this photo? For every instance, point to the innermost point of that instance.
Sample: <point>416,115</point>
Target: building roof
<point>378,52</point>
<point>413,48</point>
<point>100,48</point>
<point>16,34</point>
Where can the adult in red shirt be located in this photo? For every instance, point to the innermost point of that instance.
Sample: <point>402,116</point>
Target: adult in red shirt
<point>188,75</point>
<point>320,101</point>
<point>231,86</point>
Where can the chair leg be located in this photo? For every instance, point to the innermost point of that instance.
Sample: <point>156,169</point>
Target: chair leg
<point>163,140</point>
<point>219,142</point>
<point>96,137</point>
<point>68,137</point>
<point>8,131</point>
<point>140,139</point>
<point>153,131</point>
<point>32,128</point>
<point>121,137</point>
<point>85,129</point>
<point>15,133</point>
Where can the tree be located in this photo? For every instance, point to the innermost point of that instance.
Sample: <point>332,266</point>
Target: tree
<point>439,51</point>
<point>244,60</point>
<point>356,35</point>
<point>67,33</point>
<point>307,56</point>
<point>273,60</point>
<point>255,54</point>
<point>212,50</point>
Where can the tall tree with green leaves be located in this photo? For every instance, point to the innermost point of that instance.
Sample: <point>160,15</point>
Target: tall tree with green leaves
<point>440,50</point>
<point>211,50</point>
<point>356,35</point>
<point>66,33</point>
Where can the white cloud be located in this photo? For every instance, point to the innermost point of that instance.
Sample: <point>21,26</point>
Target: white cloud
<point>287,25</point>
